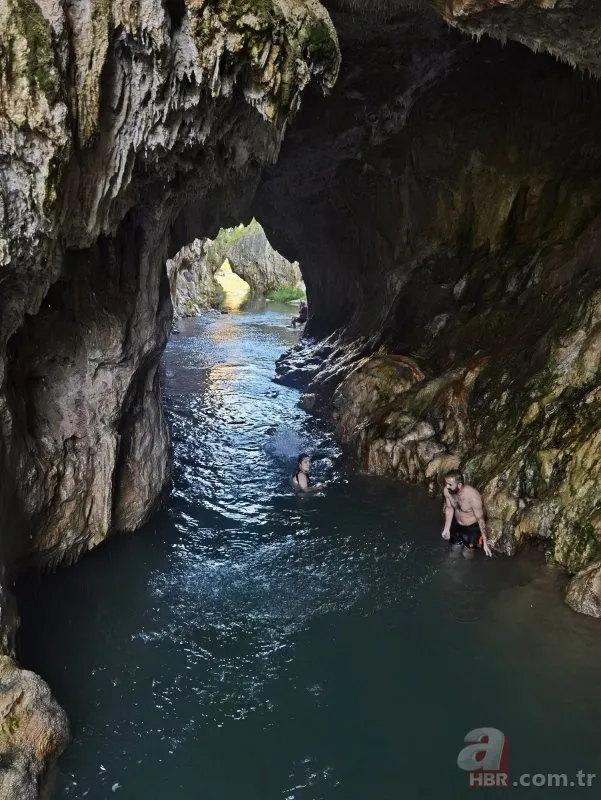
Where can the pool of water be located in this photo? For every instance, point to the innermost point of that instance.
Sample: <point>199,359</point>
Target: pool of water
<point>249,644</point>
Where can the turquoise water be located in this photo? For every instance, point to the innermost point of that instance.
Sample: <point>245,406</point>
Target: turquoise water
<point>251,645</point>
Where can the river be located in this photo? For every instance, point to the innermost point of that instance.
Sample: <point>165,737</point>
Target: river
<point>252,645</point>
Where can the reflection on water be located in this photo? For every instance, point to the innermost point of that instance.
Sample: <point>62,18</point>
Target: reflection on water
<point>252,644</point>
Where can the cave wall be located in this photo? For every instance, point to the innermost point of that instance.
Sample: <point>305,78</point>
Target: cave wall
<point>126,130</point>
<point>568,29</point>
<point>446,210</point>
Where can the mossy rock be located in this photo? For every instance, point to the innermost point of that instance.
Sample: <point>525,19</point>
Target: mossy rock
<point>31,24</point>
<point>320,42</point>
<point>9,726</point>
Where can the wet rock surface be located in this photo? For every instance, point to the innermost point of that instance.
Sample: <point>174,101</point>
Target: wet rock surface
<point>33,728</point>
<point>466,250</point>
<point>33,732</point>
<point>127,130</point>
<point>584,591</point>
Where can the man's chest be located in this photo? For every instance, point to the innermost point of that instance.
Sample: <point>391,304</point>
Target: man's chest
<point>463,504</point>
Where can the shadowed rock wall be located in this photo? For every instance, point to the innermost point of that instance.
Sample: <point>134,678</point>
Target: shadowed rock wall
<point>445,208</point>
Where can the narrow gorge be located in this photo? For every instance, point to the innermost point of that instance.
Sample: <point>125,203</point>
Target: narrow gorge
<point>443,200</point>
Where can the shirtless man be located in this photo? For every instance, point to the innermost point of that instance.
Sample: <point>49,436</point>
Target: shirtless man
<point>463,515</point>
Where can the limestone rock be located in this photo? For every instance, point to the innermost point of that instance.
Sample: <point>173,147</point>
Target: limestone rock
<point>33,732</point>
<point>254,259</point>
<point>584,591</point>
<point>194,102</point>
<point>568,29</point>
<point>127,130</point>
<point>193,287</point>
<point>308,402</point>
<point>472,255</point>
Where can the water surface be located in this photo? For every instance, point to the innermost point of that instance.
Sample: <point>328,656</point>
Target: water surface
<point>251,645</point>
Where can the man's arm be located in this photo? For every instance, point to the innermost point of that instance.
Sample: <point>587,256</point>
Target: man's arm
<point>449,511</point>
<point>479,514</point>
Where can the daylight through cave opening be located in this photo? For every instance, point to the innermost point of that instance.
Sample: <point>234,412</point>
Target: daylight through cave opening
<point>225,272</point>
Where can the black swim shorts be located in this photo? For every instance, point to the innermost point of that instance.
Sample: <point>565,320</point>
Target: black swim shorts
<point>468,535</point>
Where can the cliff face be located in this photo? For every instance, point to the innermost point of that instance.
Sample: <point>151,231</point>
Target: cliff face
<point>459,206</point>
<point>192,281</point>
<point>126,130</point>
<point>253,258</point>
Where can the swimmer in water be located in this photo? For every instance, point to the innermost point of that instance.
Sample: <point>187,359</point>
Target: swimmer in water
<point>464,515</point>
<point>301,482</point>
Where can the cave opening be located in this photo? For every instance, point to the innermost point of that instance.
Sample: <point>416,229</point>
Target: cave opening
<point>225,272</point>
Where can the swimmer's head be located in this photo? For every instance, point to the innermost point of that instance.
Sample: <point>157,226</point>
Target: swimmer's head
<point>453,480</point>
<point>304,462</point>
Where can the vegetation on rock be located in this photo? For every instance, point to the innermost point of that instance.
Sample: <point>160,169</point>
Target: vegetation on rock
<point>286,294</point>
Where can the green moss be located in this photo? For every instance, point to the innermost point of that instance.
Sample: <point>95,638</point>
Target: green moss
<point>577,549</point>
<point>9,725</point>
<point>233,236</point>
<point>52,181</point>
<point>35,29</point>
<point>259,8</point>
<point>320,42</point>
<point>219,296</point>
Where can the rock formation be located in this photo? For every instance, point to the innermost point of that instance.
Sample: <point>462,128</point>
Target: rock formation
<point>126,131</point>
<point>446,207</point>
<point>246,247</point>
<point>191,279</point>
<point>568,29</point>
<point>253,258</point>
<point>460,206</point>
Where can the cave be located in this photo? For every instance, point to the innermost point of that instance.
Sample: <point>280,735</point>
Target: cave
<point>443,199</point>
